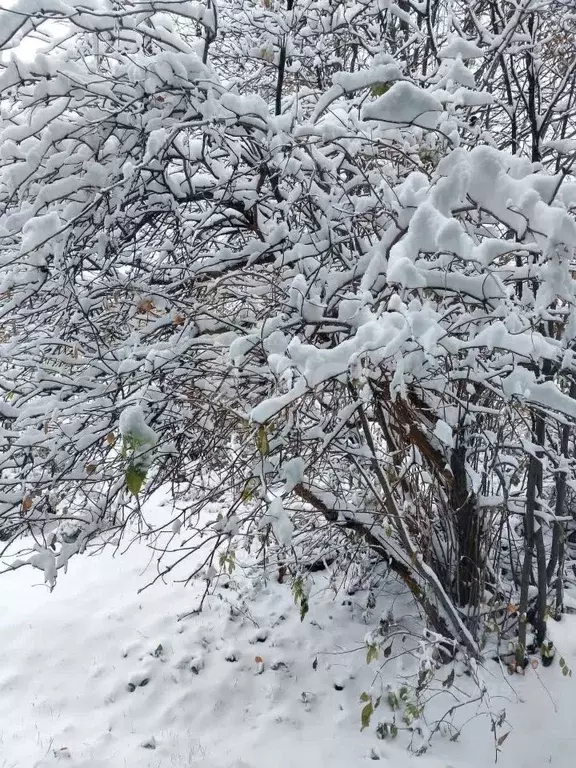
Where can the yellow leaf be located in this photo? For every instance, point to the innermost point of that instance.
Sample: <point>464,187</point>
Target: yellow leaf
<point>262,441</point>
<point>250,488</point>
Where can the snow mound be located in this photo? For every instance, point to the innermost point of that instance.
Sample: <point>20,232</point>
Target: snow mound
<point>96,675</point>
<point>404,104</point>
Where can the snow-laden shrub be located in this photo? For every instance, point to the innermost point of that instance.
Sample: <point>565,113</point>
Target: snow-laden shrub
<point>318,257</point>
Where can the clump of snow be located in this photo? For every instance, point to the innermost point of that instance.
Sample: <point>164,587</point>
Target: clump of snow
<point>443,432</point>
<point>133,425</point>
<point>562,146</point>
<point>457,46</point>
<point>292,472</point>
<point>348,82</point>
<point>39,230</point>
<point>404,104</point>
<point>282,526</point>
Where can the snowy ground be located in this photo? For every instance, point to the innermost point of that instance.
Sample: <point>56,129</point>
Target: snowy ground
<point>96,675</point>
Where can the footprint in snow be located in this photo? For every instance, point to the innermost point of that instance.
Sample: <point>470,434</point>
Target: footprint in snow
<point>231,654</point>
<point>260,636</point>
<point>194,663</point>
<point>138,680</point>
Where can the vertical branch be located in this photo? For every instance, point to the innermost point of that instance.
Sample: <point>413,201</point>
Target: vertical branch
<point>533,491</point>
<point>282,67</point>
<point>557,548</point>
<point>533,94</point>
<point>469,567</point>
<point>210,34</point>
<point>415,557</point>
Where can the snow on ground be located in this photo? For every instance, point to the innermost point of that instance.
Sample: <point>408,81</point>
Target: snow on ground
<point>95,675</point>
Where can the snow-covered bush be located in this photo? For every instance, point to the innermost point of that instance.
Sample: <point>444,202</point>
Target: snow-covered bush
<point>316,257</point>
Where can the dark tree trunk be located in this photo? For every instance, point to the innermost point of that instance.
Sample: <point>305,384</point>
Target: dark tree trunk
<point>468,532</point>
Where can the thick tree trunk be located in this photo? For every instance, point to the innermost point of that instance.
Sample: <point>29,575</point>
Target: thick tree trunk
<point>468,531</point>
<point>406,562</point>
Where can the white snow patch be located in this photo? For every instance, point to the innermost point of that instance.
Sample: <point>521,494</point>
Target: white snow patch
<point>443,432</point>
<point>67,659</point>
<point>404,104</point>
<point>133,424</point>
<point>458,46</point>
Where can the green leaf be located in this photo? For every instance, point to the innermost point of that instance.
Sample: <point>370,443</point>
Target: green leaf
<point>367,713</point>
<point>380,89</point>
<point>562,661</point>
<point>262,441</point>
<point>503,738</point>
<point>371,654</point>
<point>135,478</point>
<point>413,710</point>
<point>364,696</point>
<point>393,701</point>
<point>298,589</point>
<point>300,596</point>
<point>130,444</point>
<point>249,489</point>
<point>393,730</point>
